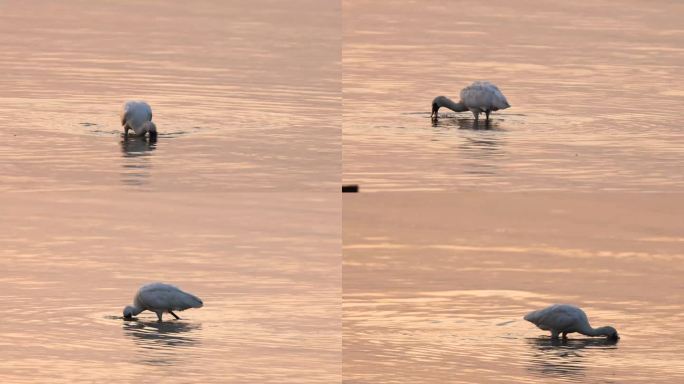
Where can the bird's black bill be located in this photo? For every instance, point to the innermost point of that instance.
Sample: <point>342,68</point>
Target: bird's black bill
<point>435,109</point>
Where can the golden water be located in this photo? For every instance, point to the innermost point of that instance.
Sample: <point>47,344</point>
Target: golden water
<point>250,98</point>
<point>594,86</point>
<point>266,266</point>
<point>245,95</point>
<point>436,285</point>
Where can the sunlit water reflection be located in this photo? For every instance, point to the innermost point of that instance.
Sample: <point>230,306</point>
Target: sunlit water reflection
<point>267,267</point>
<point>436,285</point>
<point>594,88</point>
<point>246,95</point>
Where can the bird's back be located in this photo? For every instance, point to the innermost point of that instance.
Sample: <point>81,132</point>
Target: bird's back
<point>558,316</point>
<point>135,114</point>
<point>483,95</point>
<point>165,297</point>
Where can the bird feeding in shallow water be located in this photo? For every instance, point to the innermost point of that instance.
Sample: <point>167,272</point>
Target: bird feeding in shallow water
<point>480,96</point>
<point>137,116</point>
<point>160,298</point>
<point>564,319</point>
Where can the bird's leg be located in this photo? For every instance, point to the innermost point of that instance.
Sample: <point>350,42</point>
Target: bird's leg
<point>477,117</point>
<point>126,128</point>
<point>174,315</point>
<point>487,113</point>
<point>554,334</point>
<point>159,316</point>
<point>565,335</point>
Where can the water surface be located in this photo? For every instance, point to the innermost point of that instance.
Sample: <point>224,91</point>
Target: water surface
<point>245,94</point>
<point>267,267</point>
<point>436,284</point>
<point>594,86</point>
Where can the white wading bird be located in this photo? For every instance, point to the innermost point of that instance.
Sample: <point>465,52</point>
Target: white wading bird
<point>160,298</point>
<point>137,116</point>
<point>565,318</point>
<point>480,96</point>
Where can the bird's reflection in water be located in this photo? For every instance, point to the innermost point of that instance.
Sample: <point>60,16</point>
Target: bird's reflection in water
<point>480,140</point>
<point>135,151</point>
<point>461,123</point>
<point>159,342</point>
<point>480,143</point>
<point>564,358</point>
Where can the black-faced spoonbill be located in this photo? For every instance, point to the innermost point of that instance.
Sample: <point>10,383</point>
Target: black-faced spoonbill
<point>565,318</point>
<point>480,96</point>
<point>160,298</point>
<point>137,116</point>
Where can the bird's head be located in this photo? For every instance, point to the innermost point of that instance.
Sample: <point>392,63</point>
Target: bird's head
<point>150,128</point>
<point>610,333</point>
<point>130,311</point>
<point>436,104</point>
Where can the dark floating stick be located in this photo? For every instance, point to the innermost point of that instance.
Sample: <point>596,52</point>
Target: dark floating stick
<point>352,188</point>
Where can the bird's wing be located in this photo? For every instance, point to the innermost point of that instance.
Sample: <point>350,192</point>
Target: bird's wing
<point>135,114</point>
<point>498,99</point>
<point>155,296</point>
<point>125,116</point>
<point>133,111</point>
<point>146,110</point>
<point>483,95</point>
<point>558,317</point>
<point>534,316</point>
<point>168,297</point>
<point>188,300</point>
<point>477,95</point>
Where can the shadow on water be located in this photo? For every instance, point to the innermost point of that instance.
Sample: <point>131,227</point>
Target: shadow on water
<point>164,334</point>
<point>464,123</point>
<point>137,146</point>
<point>135,151</point>
<point>564,358</point>
<point>159,342</point>
<point>480,142</point>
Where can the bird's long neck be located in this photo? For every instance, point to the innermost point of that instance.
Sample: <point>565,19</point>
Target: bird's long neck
<point>456,107</point>
<point>589,331</point>
<point>135,310</point>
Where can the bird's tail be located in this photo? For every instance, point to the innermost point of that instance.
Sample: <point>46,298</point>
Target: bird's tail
<point>501,104</point>
<point>195,302</point>
<point>531,317</point>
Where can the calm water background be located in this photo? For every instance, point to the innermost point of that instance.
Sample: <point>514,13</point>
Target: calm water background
<point>267,267</point>
<point>436,284</point>
<point>595,89</point>
<point>245,94</point>
<point>246,97</point>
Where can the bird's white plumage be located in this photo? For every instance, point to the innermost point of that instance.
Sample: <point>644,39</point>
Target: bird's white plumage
<point>565,318</point>
<point>136,115</point>
<point>160,298</point>
<point>557,316</point>
<point>483,96</point>
<point>480,96</point>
